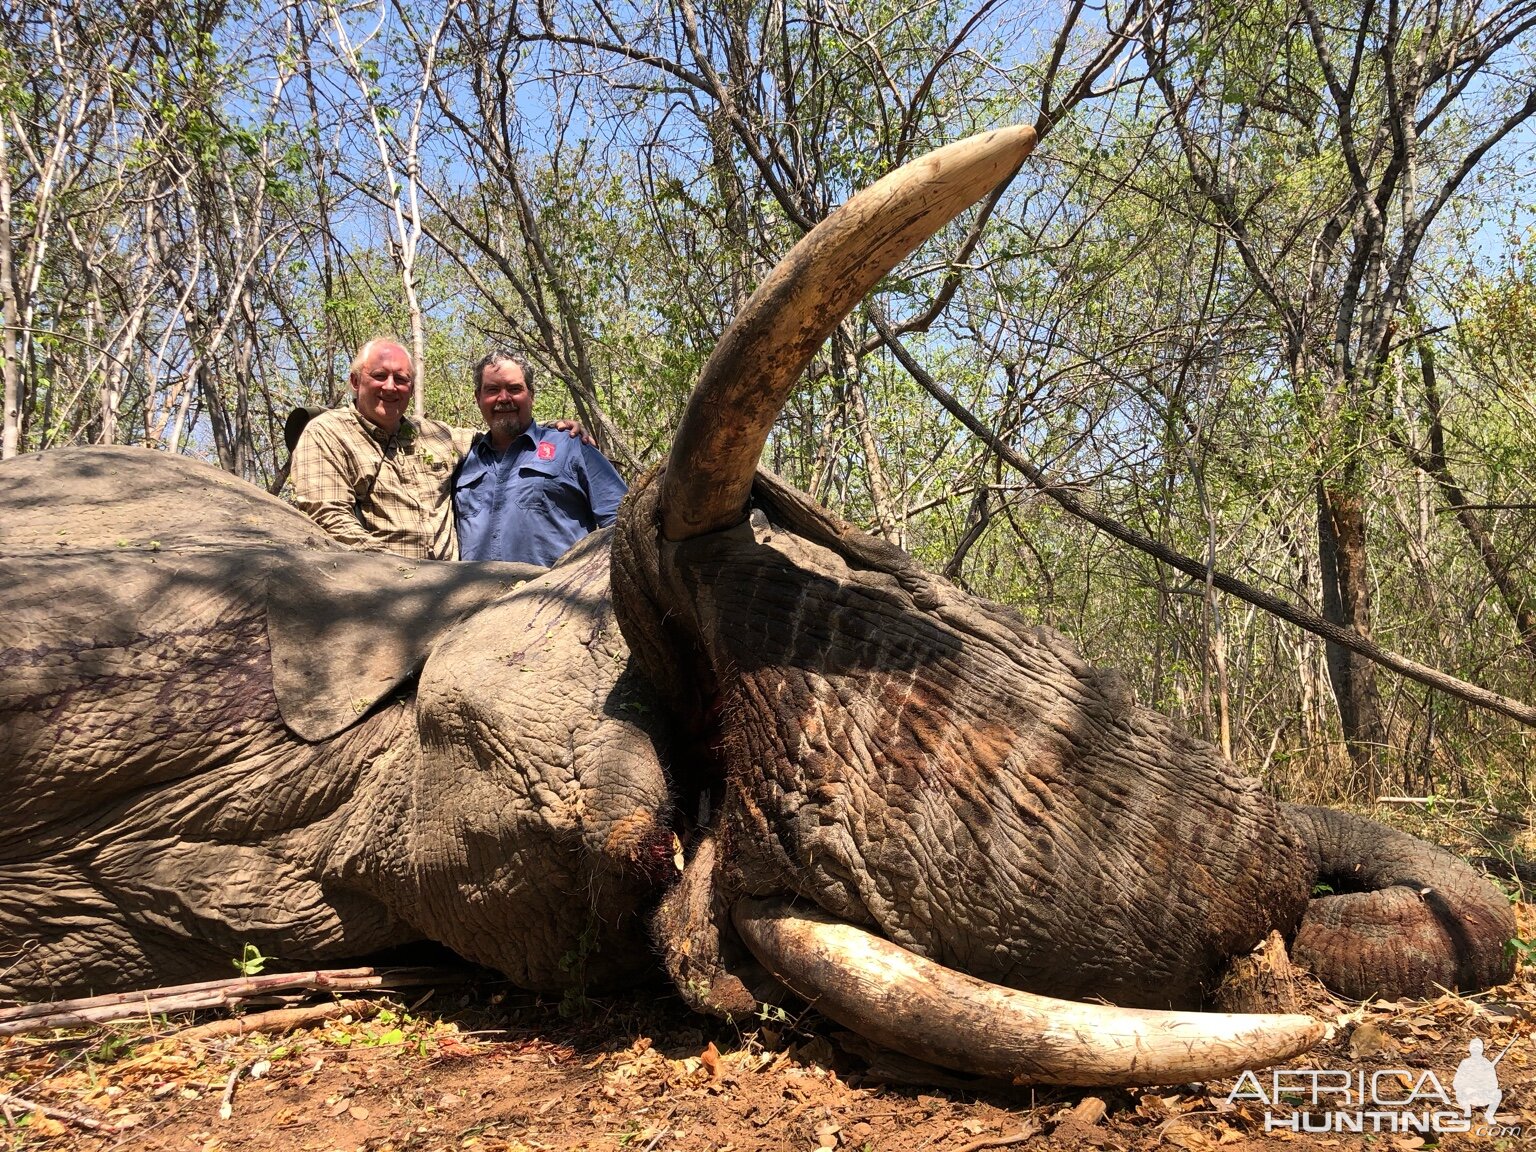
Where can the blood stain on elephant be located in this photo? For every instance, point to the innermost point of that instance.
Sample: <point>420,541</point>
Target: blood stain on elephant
<point>640,840</point>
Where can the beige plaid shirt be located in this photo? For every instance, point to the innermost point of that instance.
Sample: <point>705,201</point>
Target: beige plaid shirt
<point>377,492</point>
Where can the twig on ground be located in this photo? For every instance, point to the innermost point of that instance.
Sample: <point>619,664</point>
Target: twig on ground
<point>254,983</point>
<point>227,1100</point>
<point>94,1010</point>
<point>80,1120</point>
<point>1023,1134</point>
<point>277,1020</point>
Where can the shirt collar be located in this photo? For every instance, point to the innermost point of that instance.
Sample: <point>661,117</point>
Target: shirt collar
<point>405,433</point>
<point>482,441</point>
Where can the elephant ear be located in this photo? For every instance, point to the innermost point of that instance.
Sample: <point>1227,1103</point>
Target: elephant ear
<point>346,629</point>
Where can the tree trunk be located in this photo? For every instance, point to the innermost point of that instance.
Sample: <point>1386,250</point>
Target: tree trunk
<point>1216,653</point>
<point>879,489</point>
<point>1435,464</point>
<point>10,313</point>
<point>1346,602</point>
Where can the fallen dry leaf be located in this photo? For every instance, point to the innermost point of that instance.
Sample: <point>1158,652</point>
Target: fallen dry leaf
<point>1188,1137</point>
<point>1154,1107</point>
<point>1370,1040</point>
<point>45,1125</point>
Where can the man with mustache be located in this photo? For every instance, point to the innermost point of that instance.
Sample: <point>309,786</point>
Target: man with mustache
<point>526,492</point>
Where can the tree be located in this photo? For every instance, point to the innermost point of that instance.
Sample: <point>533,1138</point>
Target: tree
<point>1326,142</point>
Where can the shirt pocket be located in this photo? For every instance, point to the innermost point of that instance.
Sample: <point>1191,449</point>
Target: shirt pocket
<point>537,484</point>
<point>427,469</point>
<point>472,494</point>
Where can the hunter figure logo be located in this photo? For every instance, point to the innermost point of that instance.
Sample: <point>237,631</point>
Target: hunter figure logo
<point>1476,1083</point>
<point>1340,1100</point>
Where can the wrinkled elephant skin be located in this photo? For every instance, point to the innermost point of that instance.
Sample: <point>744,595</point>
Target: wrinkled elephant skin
<point>218,728</point>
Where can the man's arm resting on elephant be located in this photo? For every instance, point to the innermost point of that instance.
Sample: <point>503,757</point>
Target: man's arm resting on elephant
<point>574,428</point>
<point>324,476</point>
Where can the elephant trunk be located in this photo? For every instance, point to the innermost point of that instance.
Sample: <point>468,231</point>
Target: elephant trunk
<point>761,355</point>
<point>920,1008</point>
<point>1394,916</point>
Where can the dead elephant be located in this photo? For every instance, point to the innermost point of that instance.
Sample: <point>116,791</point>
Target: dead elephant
<point>905,802</point>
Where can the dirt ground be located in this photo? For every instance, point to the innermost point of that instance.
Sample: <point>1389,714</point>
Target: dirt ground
<point>481,1067</point>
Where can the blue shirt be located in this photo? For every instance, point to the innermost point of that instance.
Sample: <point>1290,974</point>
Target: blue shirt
<point>535,500</point>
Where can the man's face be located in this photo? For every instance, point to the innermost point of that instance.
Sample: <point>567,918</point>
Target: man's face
<point>504,400</point>
<point>382,383</point>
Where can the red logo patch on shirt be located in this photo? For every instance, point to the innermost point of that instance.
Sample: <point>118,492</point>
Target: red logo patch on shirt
<point>546,451</point>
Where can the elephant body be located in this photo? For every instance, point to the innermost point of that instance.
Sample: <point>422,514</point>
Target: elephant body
<point>210,731</point>
<point>220,729</point>
<point>232,732</point>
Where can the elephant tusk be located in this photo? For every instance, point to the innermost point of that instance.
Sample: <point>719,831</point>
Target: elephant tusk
<point>760,356</point>
<point>933,1013</point>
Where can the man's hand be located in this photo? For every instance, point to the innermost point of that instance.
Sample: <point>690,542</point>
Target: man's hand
<point>574,428</point>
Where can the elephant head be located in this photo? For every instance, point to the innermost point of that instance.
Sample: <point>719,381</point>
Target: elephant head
<point>912,762</point>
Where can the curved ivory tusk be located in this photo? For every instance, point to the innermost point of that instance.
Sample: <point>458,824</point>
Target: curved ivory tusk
<point>923,1009</point>
<point>761,355</point>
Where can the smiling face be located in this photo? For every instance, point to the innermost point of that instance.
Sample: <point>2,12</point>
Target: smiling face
<point>505,401</point>
<point>382,380</point>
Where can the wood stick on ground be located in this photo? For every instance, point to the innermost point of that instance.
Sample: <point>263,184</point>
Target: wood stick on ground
<point>1087,1112</point>
<point>1023,1134</point>
<point>214,994</point>
<point>244,987</point>
<point>263,983</point>
<point>78,1119</point>
<point>227,1100</point>
<point>278,1020</point>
